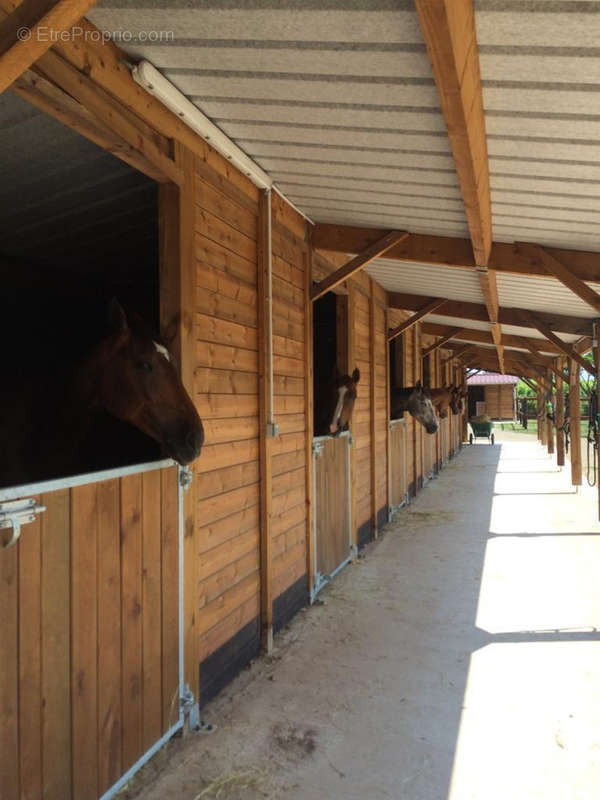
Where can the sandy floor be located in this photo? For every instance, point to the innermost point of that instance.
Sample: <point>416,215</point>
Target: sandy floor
<point>457,660</point>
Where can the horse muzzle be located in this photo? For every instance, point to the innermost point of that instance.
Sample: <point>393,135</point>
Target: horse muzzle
<point>187,445</point>
<point>431,427</point>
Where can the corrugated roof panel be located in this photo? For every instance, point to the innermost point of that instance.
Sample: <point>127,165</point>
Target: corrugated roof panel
<point>457,322</point>
<point>541,294</point>
<point>540,73</point>
<point>333,90</point>
<point>426,279</point>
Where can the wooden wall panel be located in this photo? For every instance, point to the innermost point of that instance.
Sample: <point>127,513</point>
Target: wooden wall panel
<point>226,394</point>
<point>289,460</point>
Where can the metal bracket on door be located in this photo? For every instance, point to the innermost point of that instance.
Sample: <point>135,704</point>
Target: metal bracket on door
<point>186,476</point>
<point>15,513</point>
<point>317,448</point>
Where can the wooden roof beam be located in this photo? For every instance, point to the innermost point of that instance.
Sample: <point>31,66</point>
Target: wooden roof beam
<point>449,31</point>
<point>475,311</point>
<point>533,321</point>
<point>357,263</point>
<point>554,267</point>
<point>448,251</point>
<point>509,341</point>
<point>58,104</point>
<point>440,343</point>
<point>458,354</point>
<point>428,308</point>
<point>25,32</point>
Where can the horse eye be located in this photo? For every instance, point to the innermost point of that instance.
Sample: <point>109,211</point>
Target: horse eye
<point>145,365</point>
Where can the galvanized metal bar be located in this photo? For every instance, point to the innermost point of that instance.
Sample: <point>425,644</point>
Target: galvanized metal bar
<point>15,492</point>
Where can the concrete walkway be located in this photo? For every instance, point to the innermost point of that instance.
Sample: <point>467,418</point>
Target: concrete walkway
<point>459,659</point>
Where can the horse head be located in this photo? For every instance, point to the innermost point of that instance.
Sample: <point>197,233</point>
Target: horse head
<point>456,400</point>
<point>132,376</point>
<point>342,396</point>
<point>419,405</point>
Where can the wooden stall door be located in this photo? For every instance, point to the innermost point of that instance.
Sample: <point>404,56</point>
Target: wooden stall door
<point>429,450</point>
<point>333,529</point>
<point>398,464</point>
<point>89,625</point>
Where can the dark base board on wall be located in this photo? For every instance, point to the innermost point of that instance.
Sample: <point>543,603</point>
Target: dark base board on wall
<point>289,603</point>
<point>221,667</point>
<point>364,534</point>
<point>382,517</point>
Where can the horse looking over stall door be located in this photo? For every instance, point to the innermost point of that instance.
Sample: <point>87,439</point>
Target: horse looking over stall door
<point>336,403</point>
<point>124,392</point>
<point>417,401</point>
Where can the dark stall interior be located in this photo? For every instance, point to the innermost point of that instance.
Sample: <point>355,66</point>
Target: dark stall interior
<point>77,228</point>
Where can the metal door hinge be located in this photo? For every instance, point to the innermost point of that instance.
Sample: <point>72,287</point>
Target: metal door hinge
<point>15,513</point>
<point>191,711</point>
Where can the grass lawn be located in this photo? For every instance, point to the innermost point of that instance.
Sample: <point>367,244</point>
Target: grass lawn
<point>515,427</point>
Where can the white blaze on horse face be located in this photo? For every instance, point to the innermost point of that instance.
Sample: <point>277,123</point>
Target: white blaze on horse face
<point>162,350</point>
<point>338,409</point>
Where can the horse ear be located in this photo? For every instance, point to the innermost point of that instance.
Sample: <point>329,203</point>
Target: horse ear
<point>356,375</point>
<point>117,319</point>
<point>418,386</point>
<point>169,333</point>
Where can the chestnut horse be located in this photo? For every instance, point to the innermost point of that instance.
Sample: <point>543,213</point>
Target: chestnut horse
<point>337,400</point>
<point>417,401</point>
<point>86,416</point>
<point>447,396</point>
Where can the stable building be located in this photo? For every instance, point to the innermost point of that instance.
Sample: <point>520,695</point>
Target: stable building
<point>493,395</point>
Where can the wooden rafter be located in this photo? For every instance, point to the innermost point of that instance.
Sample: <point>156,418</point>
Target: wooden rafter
<point>543,359</point>
<point>369,254</point>
<point>533,321</point>
<point>448,251</point>
<point>509,341</point>
<point>460,353</point>
<point>25,32</point>
<point>531,385</point>
<point>440,343</point>
<point>428,308</point>
<point>111,113</point>
<point>58,104</point>
<point>476,311</point>
<point>449,31</point>
<point>554,267</point>
<point>489,290</point>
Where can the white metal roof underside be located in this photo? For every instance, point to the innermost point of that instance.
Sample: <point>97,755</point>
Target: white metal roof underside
<point>336,101</point>
<point>541,91</point>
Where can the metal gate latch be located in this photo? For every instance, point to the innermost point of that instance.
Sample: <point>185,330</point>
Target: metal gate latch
<point>186,476</point>
<point>15,513</point>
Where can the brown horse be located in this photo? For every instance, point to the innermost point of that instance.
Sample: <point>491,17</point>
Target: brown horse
<point>447,397</point>
<point>83,418</point>
<point>417,401</point>
<point>336,401</point>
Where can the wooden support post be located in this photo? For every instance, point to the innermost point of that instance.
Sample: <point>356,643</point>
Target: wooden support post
<point>265,435</point>
<point>560,416</point>
<point>372,402</point>
<point>388,412</point>
<point>549,421</point>
<point>541,412</point>
<point>351,361</point>
<point>417,439</point>
<point>575,422</point>
<point>309,410</point>
<point>177,302</point>
<point>596,351</point>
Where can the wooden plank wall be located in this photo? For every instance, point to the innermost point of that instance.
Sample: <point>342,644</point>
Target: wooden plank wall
<point>289,531</point>
<point>89,663</point>
<point>226,393</point>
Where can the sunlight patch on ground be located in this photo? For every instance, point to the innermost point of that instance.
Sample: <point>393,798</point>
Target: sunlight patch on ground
<point>530,726</point>
<point>540,583</point>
